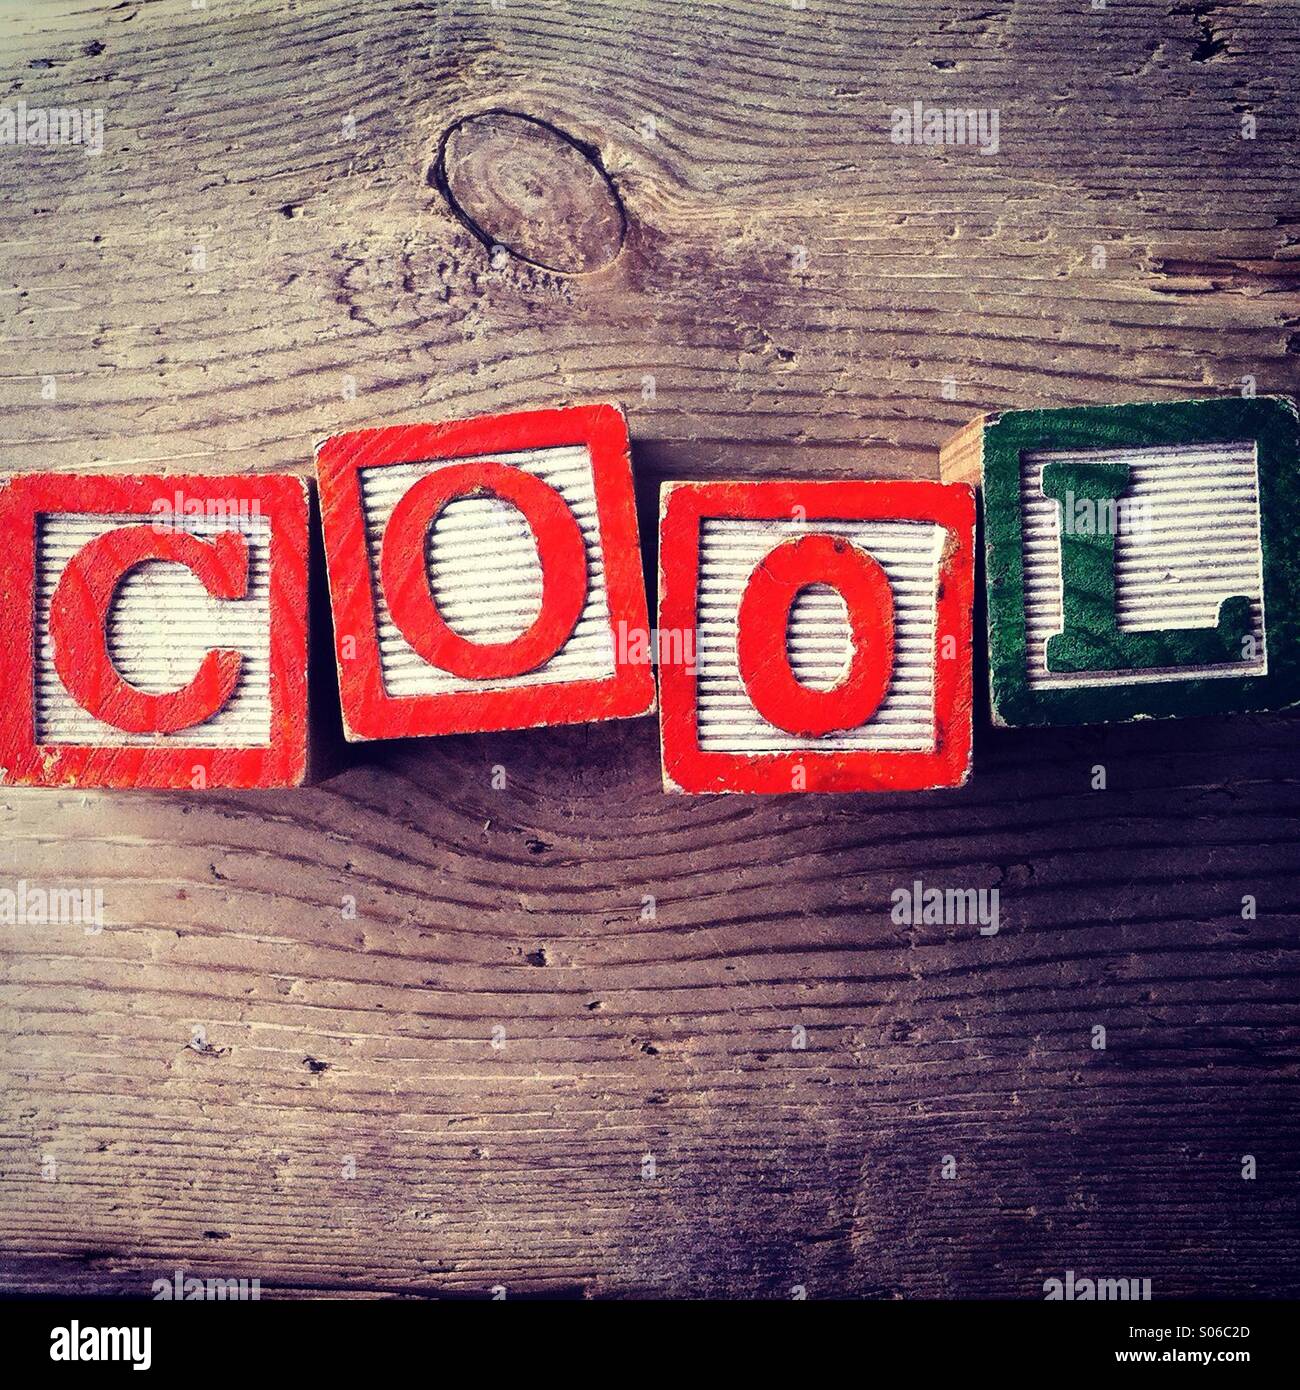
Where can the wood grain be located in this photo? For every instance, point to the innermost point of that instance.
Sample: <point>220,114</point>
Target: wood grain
<point>794,295</point>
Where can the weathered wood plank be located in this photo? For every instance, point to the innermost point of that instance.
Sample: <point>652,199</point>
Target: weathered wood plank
<point>339,291</point>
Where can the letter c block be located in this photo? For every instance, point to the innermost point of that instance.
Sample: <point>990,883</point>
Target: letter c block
<point>154,632</point>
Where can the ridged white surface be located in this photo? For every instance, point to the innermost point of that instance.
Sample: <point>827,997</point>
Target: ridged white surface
<point>161,624</point>
<point>486,575</point>
<point>818,637</point>
<point>1200,506</point>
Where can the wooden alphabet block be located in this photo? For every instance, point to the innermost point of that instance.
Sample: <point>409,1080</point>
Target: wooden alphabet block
<point>1141,560</point>
<point>485,574</point>
<point>154,631</point>
<point>830,625</point>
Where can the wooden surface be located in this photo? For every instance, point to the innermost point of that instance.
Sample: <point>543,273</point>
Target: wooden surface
<point>800,290</point>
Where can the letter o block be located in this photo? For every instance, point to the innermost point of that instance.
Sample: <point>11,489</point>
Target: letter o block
<point>485,574</point>
<point>830,624</point>
<point>155,631</point>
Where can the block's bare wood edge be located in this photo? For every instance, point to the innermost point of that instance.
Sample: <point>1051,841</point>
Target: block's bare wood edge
<point>961,458</point>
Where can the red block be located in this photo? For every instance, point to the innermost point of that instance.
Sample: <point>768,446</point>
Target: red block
<point>830,629</point>
<point>485,574</point>
<point>154,631</point>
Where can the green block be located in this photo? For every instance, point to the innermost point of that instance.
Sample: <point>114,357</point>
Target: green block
<point>1141,561</point>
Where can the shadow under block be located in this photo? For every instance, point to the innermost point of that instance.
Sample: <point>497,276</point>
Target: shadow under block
<point>1140,560</point>
<point>815,636</point>
<point>154,631</point>
<point>485,574</point>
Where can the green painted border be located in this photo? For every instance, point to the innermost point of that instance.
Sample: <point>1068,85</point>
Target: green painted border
<point>1273,423</point>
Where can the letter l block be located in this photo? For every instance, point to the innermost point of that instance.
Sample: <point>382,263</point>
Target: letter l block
<point>1141,560</point>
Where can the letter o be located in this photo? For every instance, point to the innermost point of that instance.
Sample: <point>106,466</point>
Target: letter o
<point>409,593</point>
<point>763,623</point>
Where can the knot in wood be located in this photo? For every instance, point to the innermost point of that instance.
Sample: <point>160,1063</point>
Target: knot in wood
<point>530,188</point>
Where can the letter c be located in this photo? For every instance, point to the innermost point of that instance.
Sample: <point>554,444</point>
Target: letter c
<point>79,636</point>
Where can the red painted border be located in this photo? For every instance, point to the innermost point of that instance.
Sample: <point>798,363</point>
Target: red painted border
<point>369,712</point>
<point>24,762</point>
<point>689,768</point>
